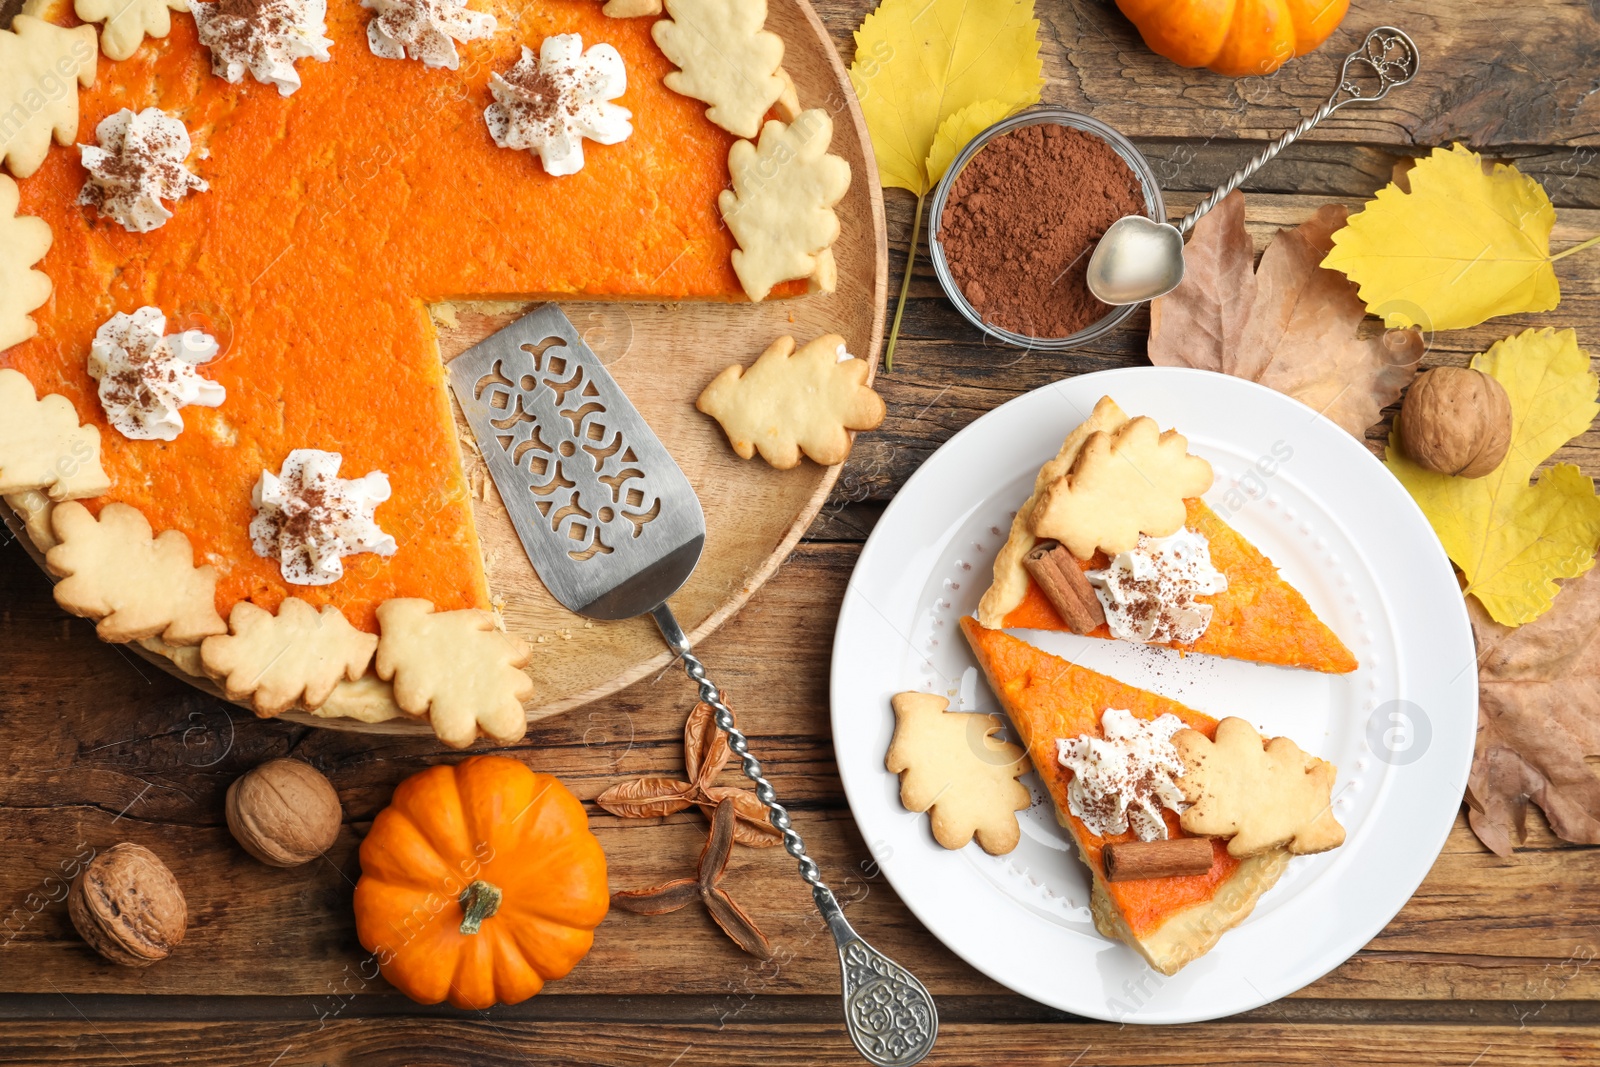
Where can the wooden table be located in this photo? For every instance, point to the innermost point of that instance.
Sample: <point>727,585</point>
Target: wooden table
<point>1492,962</point>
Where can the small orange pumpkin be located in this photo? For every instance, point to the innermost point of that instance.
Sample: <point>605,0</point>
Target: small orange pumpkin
<point>479,882</point>
<point>1238,38</point>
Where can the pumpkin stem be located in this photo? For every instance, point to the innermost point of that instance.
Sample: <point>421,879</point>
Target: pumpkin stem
<point>478,901</point>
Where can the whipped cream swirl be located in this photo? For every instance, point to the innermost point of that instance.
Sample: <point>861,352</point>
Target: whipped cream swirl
<point>309,519</point>
<point>1124,779</point>
<point>1149,592</point>
<point>548,104</point>
<point>138,163</point>
<point>146,376</point>
<point>425,29</point>
<point>265,37</point>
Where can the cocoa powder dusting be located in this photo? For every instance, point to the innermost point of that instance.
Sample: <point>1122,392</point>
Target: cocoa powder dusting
<point>237,25</point>
<point>538,95</point>
<point>131,386</point>
<point>1021,220</point>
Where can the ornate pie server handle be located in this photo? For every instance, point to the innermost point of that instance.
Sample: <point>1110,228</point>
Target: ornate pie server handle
<point>889,1014</point>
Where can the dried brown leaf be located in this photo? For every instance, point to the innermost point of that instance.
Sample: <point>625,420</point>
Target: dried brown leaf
<point>658,900</point>
<point>736,924</point>
<point>705,746</point>
<point>719,844</point>
<point>1201,323</point>
<point>646,798</point>
<point>753,828</point>
<point>714,857</point>
<point>1290,324</point>
<point>1538,720</point>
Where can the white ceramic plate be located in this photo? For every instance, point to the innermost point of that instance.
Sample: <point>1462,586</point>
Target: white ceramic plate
<point>1400,729</point>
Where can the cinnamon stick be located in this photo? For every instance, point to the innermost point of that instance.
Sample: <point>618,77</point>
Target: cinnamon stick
<point>1063,582</point>
<point>1129,861</point>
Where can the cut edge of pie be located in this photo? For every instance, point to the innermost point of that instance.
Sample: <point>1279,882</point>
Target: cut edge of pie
<point>1282,628</point>
<point>1170,921</point>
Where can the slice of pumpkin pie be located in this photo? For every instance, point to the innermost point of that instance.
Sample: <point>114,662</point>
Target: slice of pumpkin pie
<point>1116,542</point>
<point>1147,786</point>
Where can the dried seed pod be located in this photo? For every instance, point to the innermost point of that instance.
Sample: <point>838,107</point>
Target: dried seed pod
<point>1456,420</point>
<point>284,812</point>
<point>127,905</point>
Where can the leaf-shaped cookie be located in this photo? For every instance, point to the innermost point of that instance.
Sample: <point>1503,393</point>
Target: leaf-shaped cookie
<point>41,67</point>
<point>1513,539</point>
<point>1124,484</point>
<point>1459,247</point>
<point>456,668</point>
<point>786,404</point>
<point>725,57</point>
<point>780,208</point>
<point>23,242</point>
<point>43,447</point>
<point>128,22</point>
<point>295,657</point>
<point>184,657</point>
<point>34,509</point>
<point>629,9</point>
<point>135,584</point>
<point>953,767</point>
<point>1259,794</point>
<point>918,62</point>
<point>367,699</point>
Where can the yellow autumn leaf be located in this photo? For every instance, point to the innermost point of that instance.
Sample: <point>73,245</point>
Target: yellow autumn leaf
<point>927,72</point>
<point>1464,244</point>
<point>956,131</point>
<point>918,62</point>
<point>1512,539</point>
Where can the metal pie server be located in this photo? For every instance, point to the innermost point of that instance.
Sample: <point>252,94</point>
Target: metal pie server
<point>614,528</point>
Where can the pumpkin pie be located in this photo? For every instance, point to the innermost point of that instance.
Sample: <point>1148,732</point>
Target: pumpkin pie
<point>294,210</point>
<point>1256,615</point>
<point>1170,921</point>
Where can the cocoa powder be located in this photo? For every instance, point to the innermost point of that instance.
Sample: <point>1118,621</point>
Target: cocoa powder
<point>1022,219</point>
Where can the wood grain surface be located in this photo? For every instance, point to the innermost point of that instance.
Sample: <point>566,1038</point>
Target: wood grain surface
<point>1492,962</point>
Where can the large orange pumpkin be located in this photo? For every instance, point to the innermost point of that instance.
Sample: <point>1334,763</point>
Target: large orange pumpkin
<point>479,882</point>
<point>1234,37</point>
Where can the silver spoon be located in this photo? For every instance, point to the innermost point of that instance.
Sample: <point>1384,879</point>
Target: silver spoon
<point>1140,259</point>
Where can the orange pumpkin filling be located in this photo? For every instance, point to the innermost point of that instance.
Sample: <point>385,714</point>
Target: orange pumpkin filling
<point>1259,617</point>
<point>1048,698</point>
<point>333,218</point>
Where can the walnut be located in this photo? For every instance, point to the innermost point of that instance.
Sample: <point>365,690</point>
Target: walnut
<point>284,813</point>
<point>1456,420</point>
<point>128,906</point>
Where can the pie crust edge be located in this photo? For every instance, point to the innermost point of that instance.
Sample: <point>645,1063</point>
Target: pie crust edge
<point>1010,583</point>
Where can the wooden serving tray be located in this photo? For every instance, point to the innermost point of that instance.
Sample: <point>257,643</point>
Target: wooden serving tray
<point>663,355</point>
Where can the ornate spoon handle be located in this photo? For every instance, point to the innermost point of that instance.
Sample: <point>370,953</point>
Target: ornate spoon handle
<point>890,1015</point>
<point>1387,56</point>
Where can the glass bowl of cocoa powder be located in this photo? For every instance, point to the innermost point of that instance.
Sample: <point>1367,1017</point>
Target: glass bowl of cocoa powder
<point>1015,218</point>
